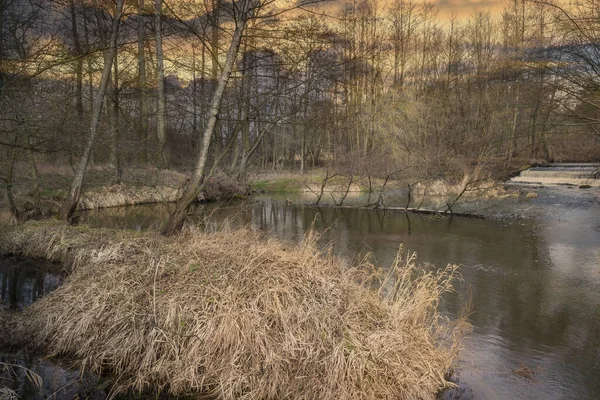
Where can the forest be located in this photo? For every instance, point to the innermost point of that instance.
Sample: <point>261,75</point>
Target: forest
<point>363,88</point>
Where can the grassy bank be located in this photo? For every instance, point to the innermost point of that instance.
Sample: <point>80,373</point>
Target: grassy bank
<point>234,316</point>
<point>468,196</point>
<point>125,195</point>
<point>311,183</point>
<point>137,186</point>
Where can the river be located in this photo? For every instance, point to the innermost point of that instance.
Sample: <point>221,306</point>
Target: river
<point>532,284</point>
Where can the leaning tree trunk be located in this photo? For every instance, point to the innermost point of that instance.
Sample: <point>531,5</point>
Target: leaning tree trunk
<point>244,161</point>
<point>195,184</point>
<point>69,205</point>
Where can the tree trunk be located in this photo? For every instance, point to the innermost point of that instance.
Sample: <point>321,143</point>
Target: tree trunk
<point>194,186</point>
<point>1,40</point>
<point>236,155</point>
<point>511,146</point>
<point>214,38</point>
<point>79,62</point>
<point>302,147</point>
<point>70,203</point>
<point>112,118</point>
<point>236,142</point>
<point>12,206</point>
<point>202,92</point>
<point>34,177</point>
<point>274,151</point>
<point>248,153</point>
<point>160,84</point>
<point>115,157</point>
<point>90,74</point>
<point>214,47</point>
<point>78,78</point>
<point>194,137</point>
<point>143,93</point>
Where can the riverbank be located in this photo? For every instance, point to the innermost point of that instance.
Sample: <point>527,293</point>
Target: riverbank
<point>311,182</point>
<point>192,315</point>
<point>517,274</point>
<point>135,187</point>
<point>478,199</point>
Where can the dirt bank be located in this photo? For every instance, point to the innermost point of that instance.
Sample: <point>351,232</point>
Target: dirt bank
<point>234,316</point>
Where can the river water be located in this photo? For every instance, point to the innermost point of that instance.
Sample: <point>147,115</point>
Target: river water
<point>23,281</point>
<point>532,284</point>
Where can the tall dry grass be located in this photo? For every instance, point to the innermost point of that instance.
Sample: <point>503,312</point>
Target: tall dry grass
<point>125,195</point>
<point>233,316</point>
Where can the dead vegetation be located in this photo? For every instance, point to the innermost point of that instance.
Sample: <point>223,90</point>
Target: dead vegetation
<point>221,186</point>
<point>125,195</point>
<point>137,186</point>
<point>233,316</point>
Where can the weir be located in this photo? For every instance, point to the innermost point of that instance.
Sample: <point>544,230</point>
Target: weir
<point>573,174</point>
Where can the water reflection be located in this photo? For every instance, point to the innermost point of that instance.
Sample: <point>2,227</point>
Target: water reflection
<point>23,281</point>
<point>534,284</point>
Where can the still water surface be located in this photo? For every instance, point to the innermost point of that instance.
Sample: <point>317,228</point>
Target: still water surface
<point>533,284</point>
<point>23,281</point>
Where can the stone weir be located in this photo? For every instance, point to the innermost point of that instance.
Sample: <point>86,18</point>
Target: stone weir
<point>573,174</point>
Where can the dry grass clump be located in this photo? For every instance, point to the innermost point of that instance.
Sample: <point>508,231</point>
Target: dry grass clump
<point>125,195</point>
<point>57,242</point>
<point>8,394</point>
<point>221,186</point>
<point>231,316</point>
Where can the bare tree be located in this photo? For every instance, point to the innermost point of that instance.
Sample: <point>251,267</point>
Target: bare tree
<point>160,84</point>
<point>70,204</point>
<point>242,12</point>
<point>143,93</point>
